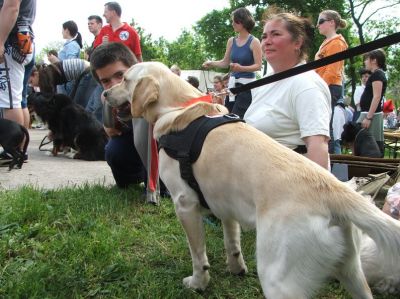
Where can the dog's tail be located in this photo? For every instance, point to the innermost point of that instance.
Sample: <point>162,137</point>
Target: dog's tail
<point>383,229</point>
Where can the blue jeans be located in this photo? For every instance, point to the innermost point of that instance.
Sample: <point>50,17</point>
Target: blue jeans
<point>336,94</point>
<point>87,84</point>
<point>126,165</point>
<point>337,148</point>
<point>94,104</point>
<point>28,72</point>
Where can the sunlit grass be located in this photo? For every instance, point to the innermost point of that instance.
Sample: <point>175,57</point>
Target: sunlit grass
<point>102,242</point>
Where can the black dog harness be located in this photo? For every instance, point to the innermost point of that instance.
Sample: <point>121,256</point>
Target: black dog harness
<point>185,146</point>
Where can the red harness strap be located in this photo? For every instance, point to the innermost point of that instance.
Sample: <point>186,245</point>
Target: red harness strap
<point>153,167</point>
<point>207,98</point>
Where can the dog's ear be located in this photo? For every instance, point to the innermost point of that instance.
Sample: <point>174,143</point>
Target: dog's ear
<point>146,92</point>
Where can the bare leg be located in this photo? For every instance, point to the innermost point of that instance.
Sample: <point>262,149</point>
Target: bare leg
<point>14,115</point>
<point>27,118</point>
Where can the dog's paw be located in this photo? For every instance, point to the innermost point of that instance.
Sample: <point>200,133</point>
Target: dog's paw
<point>197,282</point>
<point>72,155</point>
<point>236,264</point>
<point>152,198</point>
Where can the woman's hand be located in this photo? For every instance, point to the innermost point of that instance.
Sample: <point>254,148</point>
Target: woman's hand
<point>366,123</point>
<point>235,67</point>
<point>207,64</point>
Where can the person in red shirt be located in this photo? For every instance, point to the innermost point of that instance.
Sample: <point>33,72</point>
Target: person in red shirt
<point>117,31</point>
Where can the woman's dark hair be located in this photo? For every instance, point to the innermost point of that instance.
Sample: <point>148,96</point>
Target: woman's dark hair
<point>243,16</point>
<point>73,30</point>
<point>363,71</point>
<point>115,7</point>
<point>109,53</point>
<point>300,28</point>
<point>49,76</point>
<point>380,57</point>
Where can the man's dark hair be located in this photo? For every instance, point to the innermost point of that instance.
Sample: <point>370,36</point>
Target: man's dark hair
<point>52,52</point>
<point>115,7</point>
<point>109,53</point>
<point>97,18</point>
<point>193,81</point>
<point>364,71</point>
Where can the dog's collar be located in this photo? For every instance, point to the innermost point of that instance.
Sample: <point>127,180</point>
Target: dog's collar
<point>207,98</point>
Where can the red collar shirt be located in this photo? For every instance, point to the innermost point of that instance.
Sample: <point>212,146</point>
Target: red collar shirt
<point>124,34</point>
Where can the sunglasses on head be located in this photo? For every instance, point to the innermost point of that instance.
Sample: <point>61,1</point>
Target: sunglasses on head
<point>322,21</point>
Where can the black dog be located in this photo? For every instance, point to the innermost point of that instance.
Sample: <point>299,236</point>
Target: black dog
<point>12,135</point>
<point>71,126</point>
<point>363,143</point>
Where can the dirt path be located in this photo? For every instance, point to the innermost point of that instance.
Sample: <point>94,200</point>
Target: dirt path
<point>45,171</point>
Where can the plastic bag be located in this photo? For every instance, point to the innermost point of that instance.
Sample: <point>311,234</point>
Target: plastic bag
<point>393,200</point>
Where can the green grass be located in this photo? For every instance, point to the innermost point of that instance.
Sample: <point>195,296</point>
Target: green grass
<point>101,242</point>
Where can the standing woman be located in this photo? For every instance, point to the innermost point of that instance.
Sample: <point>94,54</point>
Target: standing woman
<point>329,21</point>
<point>243,57</point>
<point>73,45</point>
<point>71,49</point>
<point>294,111</point>
<point>371,101</point>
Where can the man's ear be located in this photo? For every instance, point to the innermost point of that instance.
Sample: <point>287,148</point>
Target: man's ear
<point>146,92</point>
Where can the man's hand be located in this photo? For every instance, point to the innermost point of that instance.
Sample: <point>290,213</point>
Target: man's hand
<point>111,132</point>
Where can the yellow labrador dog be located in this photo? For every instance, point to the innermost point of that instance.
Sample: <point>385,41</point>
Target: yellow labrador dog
<point>302,214</point>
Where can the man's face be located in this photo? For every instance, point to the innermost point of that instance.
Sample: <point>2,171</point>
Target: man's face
<point>111,74</point>
<point>108,14</point>
<point>94,27</point>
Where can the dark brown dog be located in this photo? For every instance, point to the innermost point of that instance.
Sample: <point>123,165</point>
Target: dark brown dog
<point>12,135</point>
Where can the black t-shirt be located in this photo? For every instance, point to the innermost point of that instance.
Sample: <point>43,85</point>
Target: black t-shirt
<point>366,97</point>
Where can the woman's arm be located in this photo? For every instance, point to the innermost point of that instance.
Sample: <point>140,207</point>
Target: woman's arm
<point>317,150</point>
<point>255,46</point>
<point>377,96</point>
<point>223,63</point>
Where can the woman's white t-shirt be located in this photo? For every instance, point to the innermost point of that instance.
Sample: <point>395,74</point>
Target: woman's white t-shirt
<point>291,109</point>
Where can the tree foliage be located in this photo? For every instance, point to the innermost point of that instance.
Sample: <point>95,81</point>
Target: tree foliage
<point>368,26</point>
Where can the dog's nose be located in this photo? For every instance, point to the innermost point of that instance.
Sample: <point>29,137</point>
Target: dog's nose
<point>105,94</point>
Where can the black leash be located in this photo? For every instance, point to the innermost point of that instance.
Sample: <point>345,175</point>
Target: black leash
<point>367,47</point>
<point>43,143</point>
<point>8,81</point>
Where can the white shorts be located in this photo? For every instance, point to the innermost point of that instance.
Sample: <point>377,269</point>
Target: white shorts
<point>16,73</point>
